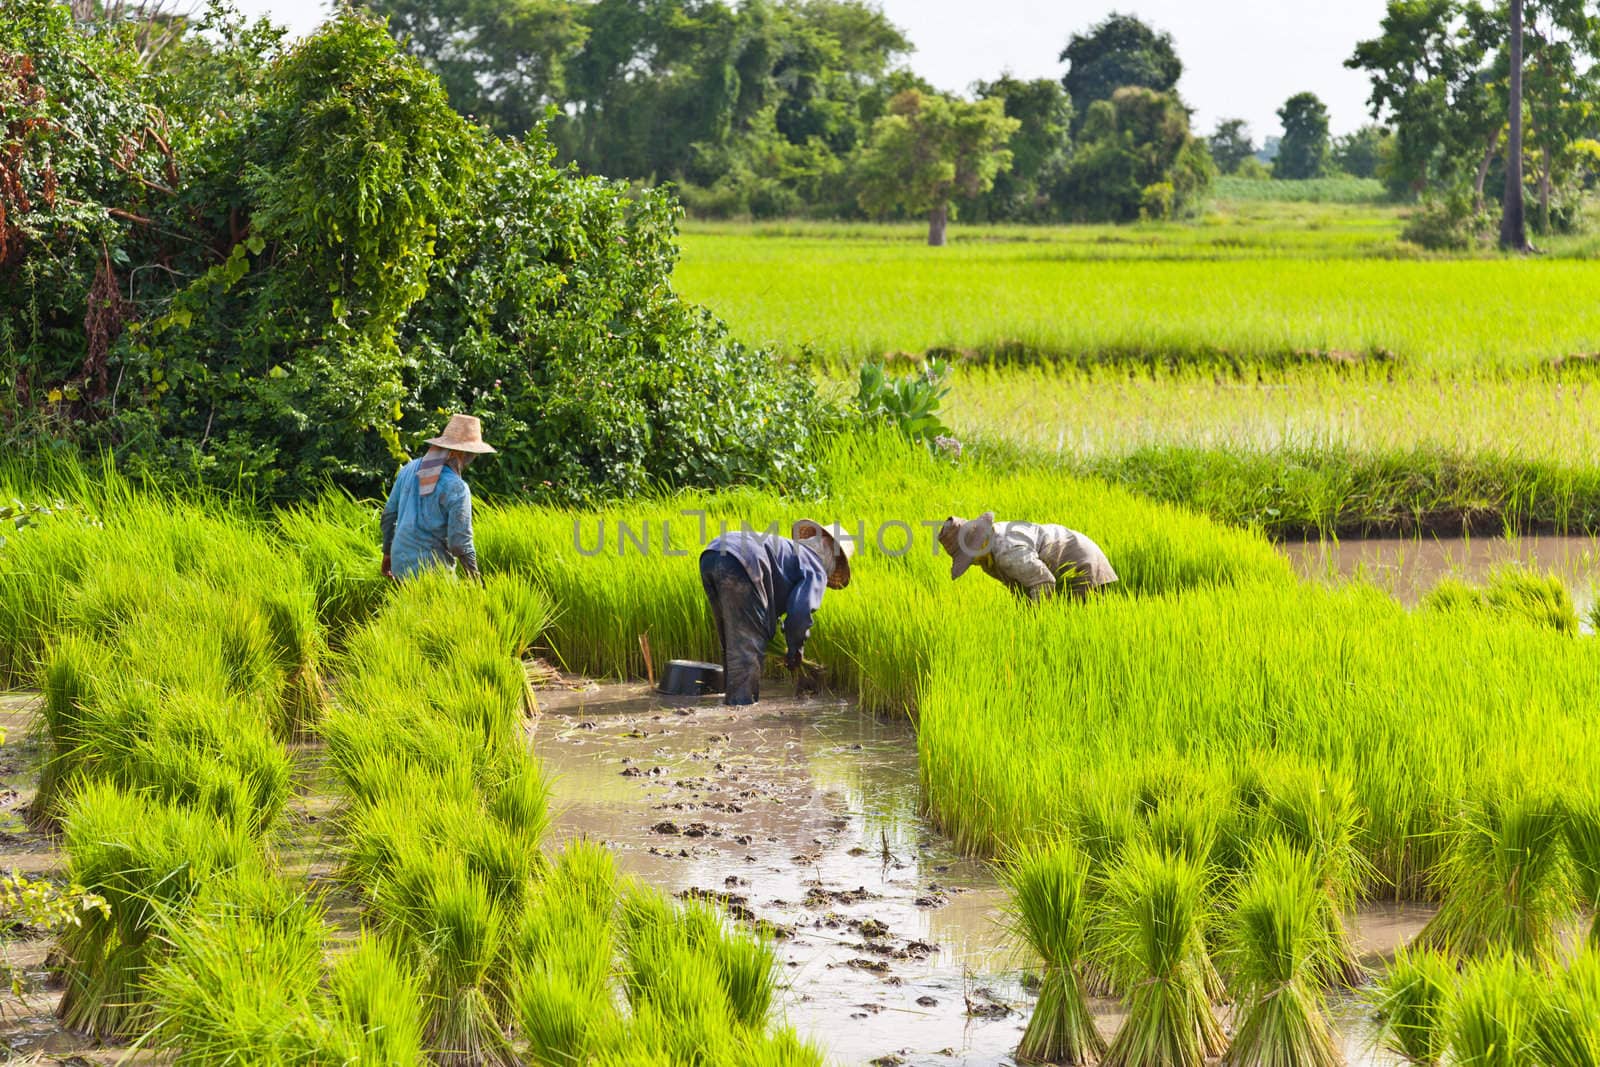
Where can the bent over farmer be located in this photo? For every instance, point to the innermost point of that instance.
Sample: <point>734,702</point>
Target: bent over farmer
<point>752,578</point>
<point>1032,559</point>
<point>428,519</point>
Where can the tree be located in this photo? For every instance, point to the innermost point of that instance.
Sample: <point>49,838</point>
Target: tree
<point>1358,153</point>
<point>1231,145</point>
<point>930,149</point>
<point>1039,148</point>
<point>1513,232</point>
<point>1303,152</point>
<point>1135,159</point>
<point>1119,51</point>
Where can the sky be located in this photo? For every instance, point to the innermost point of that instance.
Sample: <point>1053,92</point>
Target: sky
<point>1241,58</point>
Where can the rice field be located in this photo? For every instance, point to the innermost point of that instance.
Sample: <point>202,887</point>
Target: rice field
<point>1189,782</point>
<point>1222,293</point>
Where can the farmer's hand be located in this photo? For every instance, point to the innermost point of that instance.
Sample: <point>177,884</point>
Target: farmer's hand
<point>792,660</point>
<point>386,570</point>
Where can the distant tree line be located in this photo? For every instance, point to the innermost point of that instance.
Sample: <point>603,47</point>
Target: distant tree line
<point>806,107</point>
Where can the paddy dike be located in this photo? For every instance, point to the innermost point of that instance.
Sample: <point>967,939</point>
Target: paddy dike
<point>801,816</point>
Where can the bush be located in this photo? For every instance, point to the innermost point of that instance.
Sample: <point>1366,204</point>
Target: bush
<point>1447,225</point>
<point>324,258</point>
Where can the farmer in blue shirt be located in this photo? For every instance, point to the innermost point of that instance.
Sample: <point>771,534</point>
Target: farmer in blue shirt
<point>428,519</point>
<point>751,579</point>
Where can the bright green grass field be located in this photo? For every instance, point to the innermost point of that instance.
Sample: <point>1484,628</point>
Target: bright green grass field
<point>1255,286</point>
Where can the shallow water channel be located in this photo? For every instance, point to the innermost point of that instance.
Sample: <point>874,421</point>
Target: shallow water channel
<point>801,815</point>
<point>1410,567</point>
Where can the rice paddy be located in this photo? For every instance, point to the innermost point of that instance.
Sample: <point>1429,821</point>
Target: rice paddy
<point>1191,781</point>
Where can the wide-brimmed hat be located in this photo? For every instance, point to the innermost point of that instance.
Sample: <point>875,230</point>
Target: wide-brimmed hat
<point>844,546</point>
<point>966,541</point>
<point>463,433</point>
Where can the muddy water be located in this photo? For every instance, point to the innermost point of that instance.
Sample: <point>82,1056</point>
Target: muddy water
<point>1410,567</point>
<point>801,814</point>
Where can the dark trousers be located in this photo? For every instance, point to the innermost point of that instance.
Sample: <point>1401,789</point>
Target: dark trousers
<point>744,624</point>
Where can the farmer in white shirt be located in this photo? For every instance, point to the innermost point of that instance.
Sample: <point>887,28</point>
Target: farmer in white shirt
<point>1033,559</point>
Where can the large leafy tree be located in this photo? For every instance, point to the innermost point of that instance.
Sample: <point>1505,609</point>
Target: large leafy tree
<point>930,149</point>
<point>1135,158</point>
<point>1231,144</point>
<point>1362,151</point>
<point>1039,148</point>
<point>1118,51</point>
<point>1304,151</point>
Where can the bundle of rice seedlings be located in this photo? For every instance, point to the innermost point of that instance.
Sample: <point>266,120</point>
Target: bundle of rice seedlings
<point>780,1047</point>
<point>459,930</point>
<point>1411,1002</point>
<point>1155,946</point>
<point>520,609</point>
<point>1502,879</point>
<point>337,542</point>
<point>374,1014</point>
<point>1491,1016</point>
<point>241,978</point>
<point>1582,818</point>
<point>299,645</point>
<point>147,859</point>
<point>70,677</point>
<point>1051,913</point>
<point>1317,814</point>
<point>1566,1028</point>
<point>520,801</point>
<point>1279,934</point>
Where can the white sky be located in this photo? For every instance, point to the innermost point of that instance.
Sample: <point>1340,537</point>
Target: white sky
<point>1241,58</point>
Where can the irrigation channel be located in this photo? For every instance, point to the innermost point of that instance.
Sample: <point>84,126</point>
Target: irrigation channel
<point>801,815</point>
<point>1409,567</point>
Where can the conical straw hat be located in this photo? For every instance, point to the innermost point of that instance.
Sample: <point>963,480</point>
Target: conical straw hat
<point>463,433</point>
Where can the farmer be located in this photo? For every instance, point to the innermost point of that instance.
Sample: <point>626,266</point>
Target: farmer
<point>751,579</point>
<point>428,519</point>
<point>1033,559</point>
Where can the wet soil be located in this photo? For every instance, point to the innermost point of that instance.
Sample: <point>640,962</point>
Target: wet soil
<point>800,814</point>
<point>1410,567</point>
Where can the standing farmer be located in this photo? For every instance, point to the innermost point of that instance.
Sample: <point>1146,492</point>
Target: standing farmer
<point>1033,559</point>
<point>428,519</point>
<point>753,578</point>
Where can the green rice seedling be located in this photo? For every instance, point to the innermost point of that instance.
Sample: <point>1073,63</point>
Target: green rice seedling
<point>451,917</point>
<point>1581,815</point>
<point>241,978</point>
<point>374,1014</point>
<point>1278,936</point>
<point>780,1047</point>
<point>1317,814</point>
<point>147,859</point>
<point>561,970</point>
<point>298,642</point>
<point>336,538</point>
<point>520,610</point>
<point>1412,1002</point>
<point>1504,885</point>
<point>1048,886</point>
<point>520,802</point>
<point>1566,1028</point>
<point>70,678</point>
<point>1492,1014</point>
<point>658,932</point>
<point>1154,942</point>
<point>1511,592</point>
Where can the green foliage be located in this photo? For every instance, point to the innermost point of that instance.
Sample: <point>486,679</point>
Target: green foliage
<point>1361,152</point>
<point>1304,151</point>
<point>1451,223</point>
<point>1231,145</point>
<point>257,316</point>
<point>908,402</point>
<point>1135,159</point>
<point>1491,1017</point>
<point>929,149</point>
<point>1117,52</point>
<point>1411,1002</point>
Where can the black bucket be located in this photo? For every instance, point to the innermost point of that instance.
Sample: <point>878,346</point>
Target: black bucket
<point>690,678</point>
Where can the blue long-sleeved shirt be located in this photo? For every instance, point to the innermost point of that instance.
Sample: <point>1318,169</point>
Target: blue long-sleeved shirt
<point>428,531</point>
<point>789,574</point>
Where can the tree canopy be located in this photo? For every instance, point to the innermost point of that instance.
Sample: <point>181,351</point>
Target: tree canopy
<point>285,266</point>
<point>1118,51</point>
<point>1304,150</point>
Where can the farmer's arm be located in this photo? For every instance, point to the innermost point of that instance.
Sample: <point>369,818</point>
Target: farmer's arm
<point>805,597</point>
<point>1020,566</point>
<point>458,527</point>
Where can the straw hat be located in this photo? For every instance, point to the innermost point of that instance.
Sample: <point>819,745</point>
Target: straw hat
<point>966,541</point>
<point>844,546</point>
<point>463,433</point>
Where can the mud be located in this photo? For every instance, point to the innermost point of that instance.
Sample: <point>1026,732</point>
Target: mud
<point>801,816</point>
<point>1410,567</point>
